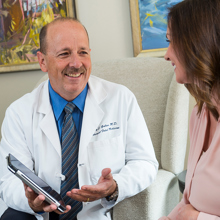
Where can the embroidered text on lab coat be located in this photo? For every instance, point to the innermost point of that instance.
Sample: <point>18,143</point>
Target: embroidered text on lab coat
<point>106,127</point>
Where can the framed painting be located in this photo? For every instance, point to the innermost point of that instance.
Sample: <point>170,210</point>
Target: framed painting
<point>149,26</point>
<point>20,25</point>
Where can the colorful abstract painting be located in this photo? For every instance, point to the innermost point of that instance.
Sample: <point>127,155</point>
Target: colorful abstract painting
<point>20,25</point>
<point>153,22</point>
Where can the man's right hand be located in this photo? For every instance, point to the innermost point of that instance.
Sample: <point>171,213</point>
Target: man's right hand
<point>38,204</point>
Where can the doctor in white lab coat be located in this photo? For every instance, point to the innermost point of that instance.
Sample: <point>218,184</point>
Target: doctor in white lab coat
<point>114,134</point>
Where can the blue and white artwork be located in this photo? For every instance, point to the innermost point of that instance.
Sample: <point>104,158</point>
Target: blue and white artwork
<point>153,22</point>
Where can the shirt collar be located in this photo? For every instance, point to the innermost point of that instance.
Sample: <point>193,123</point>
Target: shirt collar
<point>58,103</point>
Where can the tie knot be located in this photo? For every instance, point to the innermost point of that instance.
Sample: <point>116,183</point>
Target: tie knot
<point>69,108</point>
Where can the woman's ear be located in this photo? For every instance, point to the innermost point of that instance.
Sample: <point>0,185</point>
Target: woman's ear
<point>42,61</point>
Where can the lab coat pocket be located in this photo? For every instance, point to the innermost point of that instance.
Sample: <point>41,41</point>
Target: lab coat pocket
<point>102,154</point>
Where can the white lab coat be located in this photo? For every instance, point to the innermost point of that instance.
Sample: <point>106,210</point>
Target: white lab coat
<point>114,135</point>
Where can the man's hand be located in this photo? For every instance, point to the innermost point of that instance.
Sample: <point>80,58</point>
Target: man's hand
<point>187,212</point>
<point>38,204</point>
<point>105,187</point>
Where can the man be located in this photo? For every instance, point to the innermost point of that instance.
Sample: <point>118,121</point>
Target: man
<point>116,159</point>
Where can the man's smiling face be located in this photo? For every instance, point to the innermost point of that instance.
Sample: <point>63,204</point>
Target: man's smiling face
<point>67,59</point>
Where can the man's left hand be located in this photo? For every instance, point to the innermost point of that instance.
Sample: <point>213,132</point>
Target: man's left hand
<point>187,212</point>
<point>88,193</point>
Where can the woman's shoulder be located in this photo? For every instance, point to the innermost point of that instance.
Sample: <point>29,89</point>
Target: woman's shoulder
<point>196,118</point>
<point>195,115</point>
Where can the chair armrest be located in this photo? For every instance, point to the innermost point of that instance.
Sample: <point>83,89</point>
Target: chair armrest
<point>155,201</point>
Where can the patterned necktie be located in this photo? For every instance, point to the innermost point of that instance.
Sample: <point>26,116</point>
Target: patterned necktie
<point>70,145</point>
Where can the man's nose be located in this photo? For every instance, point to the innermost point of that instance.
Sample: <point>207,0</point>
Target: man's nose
<point>75,61</point>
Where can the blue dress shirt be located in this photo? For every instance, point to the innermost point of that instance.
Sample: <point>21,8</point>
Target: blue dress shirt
<point>58,104</point>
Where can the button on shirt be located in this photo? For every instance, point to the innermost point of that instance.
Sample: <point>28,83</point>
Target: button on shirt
<point>58,103</point>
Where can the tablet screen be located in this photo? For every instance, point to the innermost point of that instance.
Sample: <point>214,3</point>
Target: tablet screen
<point>15,164</point>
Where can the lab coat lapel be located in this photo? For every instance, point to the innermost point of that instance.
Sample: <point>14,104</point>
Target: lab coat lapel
<point>92,115</point>
<point>48,123</point>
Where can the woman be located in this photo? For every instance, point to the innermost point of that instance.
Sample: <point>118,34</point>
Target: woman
<point>194,51</point>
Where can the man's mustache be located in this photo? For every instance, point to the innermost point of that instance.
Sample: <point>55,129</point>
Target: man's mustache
<point>72,70</point>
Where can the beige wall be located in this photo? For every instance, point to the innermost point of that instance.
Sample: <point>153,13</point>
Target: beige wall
<point>14,85</point>
<point>109,26</point>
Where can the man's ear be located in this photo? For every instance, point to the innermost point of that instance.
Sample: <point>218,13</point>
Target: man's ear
<point>42,61</point>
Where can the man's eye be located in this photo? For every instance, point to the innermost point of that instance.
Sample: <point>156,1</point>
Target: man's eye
<point>83,52</point>
<point>63,54</point>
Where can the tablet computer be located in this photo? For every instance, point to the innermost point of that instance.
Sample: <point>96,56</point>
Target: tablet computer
<point>34,182</point>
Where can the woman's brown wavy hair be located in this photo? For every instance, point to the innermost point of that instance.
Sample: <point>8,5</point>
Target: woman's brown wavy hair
<point>195,35</point>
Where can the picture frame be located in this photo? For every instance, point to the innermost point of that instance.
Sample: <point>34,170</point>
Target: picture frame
<point>149,24</point>
<point>32,65</point>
